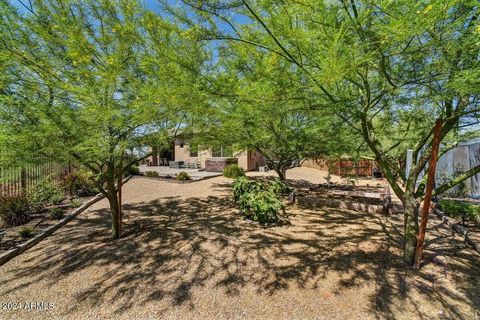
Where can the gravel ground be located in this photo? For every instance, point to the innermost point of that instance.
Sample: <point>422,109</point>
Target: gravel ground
<point>187,254</point>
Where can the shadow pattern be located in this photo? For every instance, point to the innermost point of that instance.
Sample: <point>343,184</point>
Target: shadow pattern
<point>173,246</point>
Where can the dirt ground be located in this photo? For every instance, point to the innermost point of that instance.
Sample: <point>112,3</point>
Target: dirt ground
<point>187,254</point>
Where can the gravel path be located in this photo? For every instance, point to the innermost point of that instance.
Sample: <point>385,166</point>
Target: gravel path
<point>187,254</point>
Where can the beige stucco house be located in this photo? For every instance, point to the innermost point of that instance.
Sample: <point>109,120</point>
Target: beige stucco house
<point>182,151</point>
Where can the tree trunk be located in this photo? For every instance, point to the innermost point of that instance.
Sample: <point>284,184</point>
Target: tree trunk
<point>411,208</point>
<point>114,208</point>
<point>114,205</point>
<point>281,172</point>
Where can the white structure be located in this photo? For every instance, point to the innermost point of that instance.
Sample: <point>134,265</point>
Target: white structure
<point>460,159</point>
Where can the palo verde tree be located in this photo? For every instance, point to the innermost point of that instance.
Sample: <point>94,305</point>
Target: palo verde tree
<point>262,103</point>
<point>86,81</point>
<point>387,68</point>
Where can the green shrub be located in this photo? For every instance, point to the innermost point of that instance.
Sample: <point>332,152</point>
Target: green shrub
<point>233,171</point>
<point>182,176</point>
<point>458,209</point>
<point>57,199</point>
<point>257,200</point>
<point>46,192</point>
<point>243,186</point>
<point>278,187</point>
<point>151,173</point>
<point>26,232</point>
<point>132,171</point>
<point>75,202</point>
<point>79,183</point>
<point>56,214</point>
<point>14,209</point>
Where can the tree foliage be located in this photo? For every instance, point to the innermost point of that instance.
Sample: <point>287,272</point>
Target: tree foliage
<point>387,68</point>
<point>89,81</point>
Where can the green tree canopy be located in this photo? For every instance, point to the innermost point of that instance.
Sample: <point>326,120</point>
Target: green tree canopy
<point>387,68</point>
<point>88,81</point>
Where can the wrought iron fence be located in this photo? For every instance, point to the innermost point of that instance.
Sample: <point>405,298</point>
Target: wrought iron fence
<point>18,179</point>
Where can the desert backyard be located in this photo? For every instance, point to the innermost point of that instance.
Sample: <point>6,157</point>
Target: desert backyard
<point>187,253</point>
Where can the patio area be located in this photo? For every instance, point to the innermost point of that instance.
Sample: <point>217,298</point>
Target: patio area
<point>166,172</point>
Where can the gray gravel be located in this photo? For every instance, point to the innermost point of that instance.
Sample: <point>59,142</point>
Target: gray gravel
<point>187,254</point>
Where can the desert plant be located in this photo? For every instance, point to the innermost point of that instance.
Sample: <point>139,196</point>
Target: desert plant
<point>78,183</point>
<point>132,171</point>
<point>46,192</point>
<point>75,202</point>
<point>278,187</point>
<point>256,200</point>
<point>463,210</point>
<point>151,173</point>
<point>57,198</point>
<point>56,214</point>
<point>182,176</point>
<point>14,209</point>
<point>233,171</point>
<point>244,185</point>
<point>26,232</point>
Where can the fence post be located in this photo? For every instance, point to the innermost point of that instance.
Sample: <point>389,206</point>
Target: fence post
<point>23,180</point>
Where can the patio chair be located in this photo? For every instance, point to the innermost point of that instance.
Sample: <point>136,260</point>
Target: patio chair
<point>195,164</point>
<point>176,164</point>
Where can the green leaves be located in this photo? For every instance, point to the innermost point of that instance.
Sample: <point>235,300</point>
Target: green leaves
<point>257,200</point>
<point>88,78</point>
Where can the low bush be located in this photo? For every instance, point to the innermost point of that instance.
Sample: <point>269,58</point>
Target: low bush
<point>56,214</point>
<point>182,176</point>
<point>257,200</point>
<point>46,192</point>
<point>26,232</point>
<point>151,173</point>
<point>79,183</point>
<point>233,171</point>
<point>132,171</point>
<point>14,210</point>
<point>243,185</point>
<point>57,199</point>
<point>463,210</point>
<point>75,202</point>
<point>278,187</point>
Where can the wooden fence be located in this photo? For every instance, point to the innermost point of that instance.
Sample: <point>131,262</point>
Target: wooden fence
<point>344,167</point>
<point>16,179</point>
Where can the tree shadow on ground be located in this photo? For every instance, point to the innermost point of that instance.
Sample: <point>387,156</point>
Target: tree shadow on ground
<point>174,246</point>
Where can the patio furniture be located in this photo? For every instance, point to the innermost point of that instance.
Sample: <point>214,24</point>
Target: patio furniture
<point>176,164</point>
<point>197,164</point>
<point>193,164</point>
